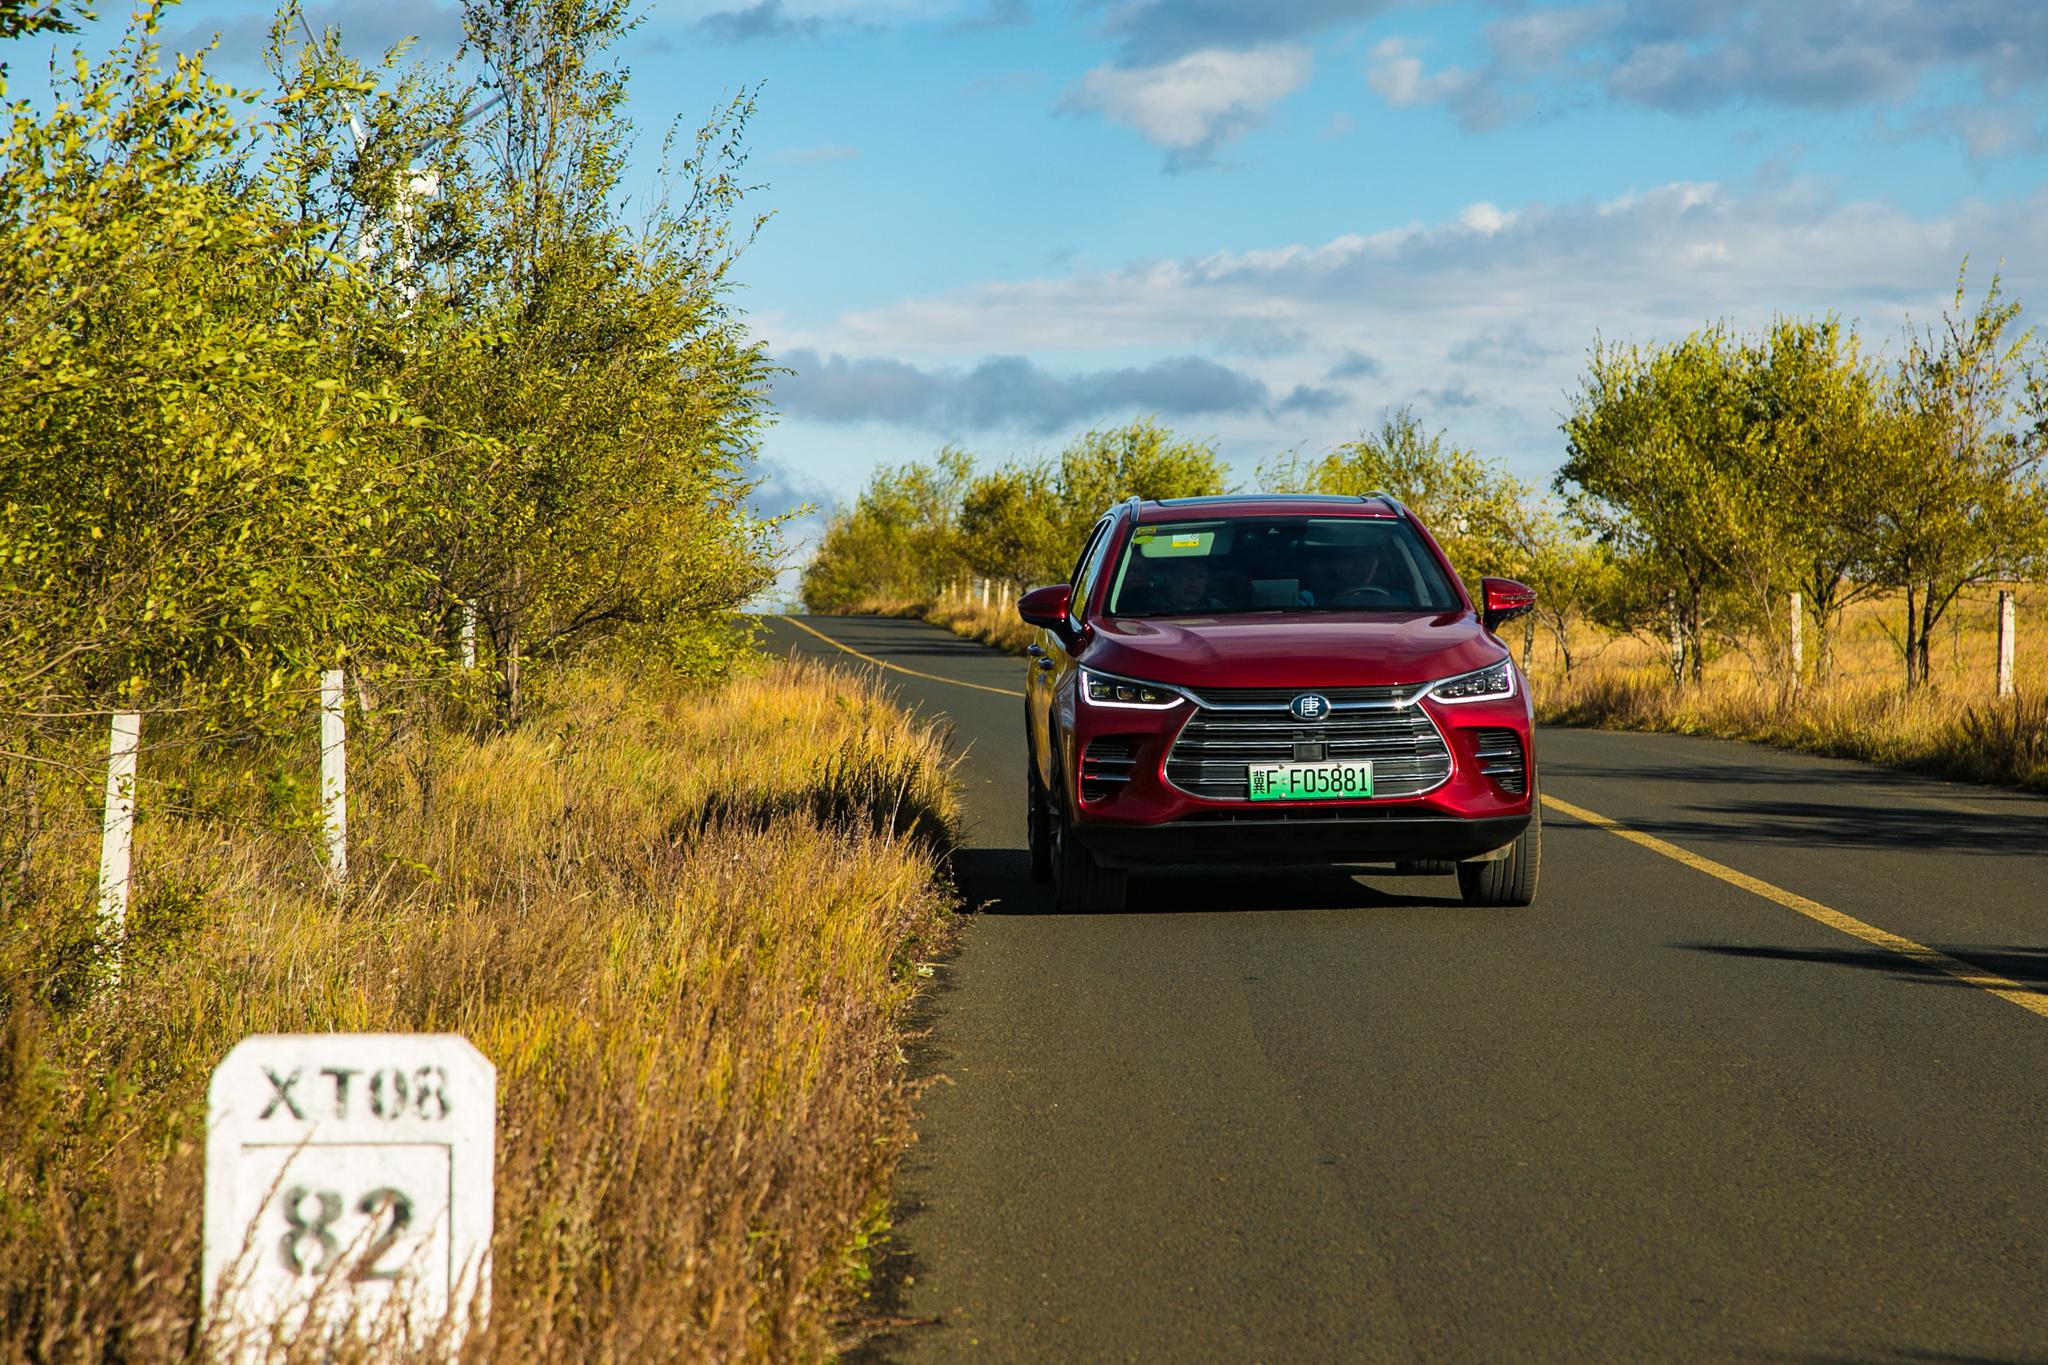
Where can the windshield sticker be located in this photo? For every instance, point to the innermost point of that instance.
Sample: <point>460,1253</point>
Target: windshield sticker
<point>1179,545</point>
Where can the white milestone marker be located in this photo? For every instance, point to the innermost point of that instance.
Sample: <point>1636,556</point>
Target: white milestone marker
<point>348,1181</point>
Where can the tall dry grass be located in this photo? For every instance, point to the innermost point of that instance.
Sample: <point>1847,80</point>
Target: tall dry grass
<point>686,928</point>
<point>1957,727</point>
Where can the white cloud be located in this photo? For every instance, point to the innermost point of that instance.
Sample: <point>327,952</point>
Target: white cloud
<point>1493,307</point>
<point>1396,76</point>
<point>1194,104</point>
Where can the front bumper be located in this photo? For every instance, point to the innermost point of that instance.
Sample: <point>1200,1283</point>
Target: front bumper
<point>1361,835</point>
<point>1128,810</point>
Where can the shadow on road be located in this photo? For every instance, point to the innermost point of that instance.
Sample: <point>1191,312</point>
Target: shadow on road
<point>997,881</point>
<point>2026,966</point>
<point>1848,810</point>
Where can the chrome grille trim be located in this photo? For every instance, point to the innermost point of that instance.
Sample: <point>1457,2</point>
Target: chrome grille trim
<point>1277,698</point>
<point>1214,749</point>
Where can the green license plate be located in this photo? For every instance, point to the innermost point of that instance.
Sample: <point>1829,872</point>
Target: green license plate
<point>1309,781</point>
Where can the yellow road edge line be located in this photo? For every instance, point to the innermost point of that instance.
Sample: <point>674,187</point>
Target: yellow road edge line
<point>896,668</point>
<point>2002,987</point>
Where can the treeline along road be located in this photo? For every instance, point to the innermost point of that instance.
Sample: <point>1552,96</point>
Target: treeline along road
<point>1759,1078</point>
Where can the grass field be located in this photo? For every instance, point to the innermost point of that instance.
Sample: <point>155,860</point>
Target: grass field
<point>1956,728</point>
<point>687,928</point>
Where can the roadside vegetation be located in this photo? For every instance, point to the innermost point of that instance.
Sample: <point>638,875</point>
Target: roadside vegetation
<point>687,926</point>
<point>364,370</point>
<point>1707,485</point>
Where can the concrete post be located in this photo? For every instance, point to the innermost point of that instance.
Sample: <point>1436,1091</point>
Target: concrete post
<point>1677,639</point>
<point>2005,642</point>
<point>1798,638</point>
<point>334,774</point>
<point>117,834</point>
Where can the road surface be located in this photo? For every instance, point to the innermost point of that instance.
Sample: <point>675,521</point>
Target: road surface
<point>1671,1112</point>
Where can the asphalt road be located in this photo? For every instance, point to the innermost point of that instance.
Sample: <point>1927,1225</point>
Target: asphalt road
<point>1657,1116</point>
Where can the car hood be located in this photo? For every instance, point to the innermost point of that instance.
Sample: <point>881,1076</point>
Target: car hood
<point>1327,649</point>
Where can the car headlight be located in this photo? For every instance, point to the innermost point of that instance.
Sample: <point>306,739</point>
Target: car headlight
<point>1103,690</point>
<point>1488,684</point>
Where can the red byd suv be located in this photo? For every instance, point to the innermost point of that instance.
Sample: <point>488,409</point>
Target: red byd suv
<point>1276,679</point>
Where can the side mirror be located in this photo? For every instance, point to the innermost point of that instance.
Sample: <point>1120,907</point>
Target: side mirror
<point>1046,608</point>
<point>1503,600</point>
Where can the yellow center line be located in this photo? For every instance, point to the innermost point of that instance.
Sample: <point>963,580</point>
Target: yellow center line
<point>896,668</point>
<point>2002,987</point>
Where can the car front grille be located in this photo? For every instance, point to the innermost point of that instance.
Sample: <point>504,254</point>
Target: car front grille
<point>1214,751</point>
<point>1500,757</point>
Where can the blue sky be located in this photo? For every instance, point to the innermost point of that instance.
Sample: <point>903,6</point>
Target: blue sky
<point>1002,222</point>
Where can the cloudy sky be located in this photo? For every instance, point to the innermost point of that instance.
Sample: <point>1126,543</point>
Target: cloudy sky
<point>1001,222</point>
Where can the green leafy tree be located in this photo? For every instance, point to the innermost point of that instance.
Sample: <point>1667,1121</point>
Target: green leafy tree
<point>197,474</point>
<point>1963,500</point>
<point>1013,526</point>
<point>1140,459</point>
<point>1657,469</point>
<point>1474,507</point>
<point>900,540</point>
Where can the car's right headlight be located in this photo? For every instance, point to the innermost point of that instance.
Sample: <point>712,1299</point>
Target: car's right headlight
<point>1486,684</point>
<point>1104,690</point>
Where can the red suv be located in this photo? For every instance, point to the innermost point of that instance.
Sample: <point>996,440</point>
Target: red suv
<point>1276,679</point>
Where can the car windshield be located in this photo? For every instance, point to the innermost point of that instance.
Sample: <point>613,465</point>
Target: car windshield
<point>1214,568</point>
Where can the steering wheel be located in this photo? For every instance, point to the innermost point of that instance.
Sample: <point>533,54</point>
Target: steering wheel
<point>1361,595</point>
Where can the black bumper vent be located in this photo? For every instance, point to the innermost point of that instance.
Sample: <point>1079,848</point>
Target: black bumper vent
<point>1500,758</point>
<point>1107,765</point>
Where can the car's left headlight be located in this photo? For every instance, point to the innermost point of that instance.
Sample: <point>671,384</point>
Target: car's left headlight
<point>1487,684</point>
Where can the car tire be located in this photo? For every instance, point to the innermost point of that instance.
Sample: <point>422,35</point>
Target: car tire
<point>1510,880</point>
<point>1038,826</point>
<point>1080,884</point>
<point>1427,867</point>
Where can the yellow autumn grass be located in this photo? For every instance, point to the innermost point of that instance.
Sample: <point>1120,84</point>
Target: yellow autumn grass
<point>688,929</point>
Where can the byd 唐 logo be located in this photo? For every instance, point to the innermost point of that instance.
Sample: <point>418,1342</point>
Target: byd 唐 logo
<point>1309,706</point>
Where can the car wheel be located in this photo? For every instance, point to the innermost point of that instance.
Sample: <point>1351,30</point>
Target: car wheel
<point>1510,880</point>
<point>1037,826</point>
<point>1427,867</point>
<point>1079,882</point>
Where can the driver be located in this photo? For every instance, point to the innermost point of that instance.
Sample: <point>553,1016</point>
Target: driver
<point>1181,585</point>
<point>1350,577</point>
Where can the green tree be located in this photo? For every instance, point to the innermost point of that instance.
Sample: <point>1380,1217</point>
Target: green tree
<point>1474,507</point>
<point>594,400</point>
<point>1963,499</point>
<point>1658,467</point>
<point>1140,459</point>
<point>196,470</point>
<point>900,540</point>
<point>1013,526</point>
<point>1825,449</point>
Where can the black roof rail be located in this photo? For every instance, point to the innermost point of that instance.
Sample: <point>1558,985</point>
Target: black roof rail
<point>1389,499</point>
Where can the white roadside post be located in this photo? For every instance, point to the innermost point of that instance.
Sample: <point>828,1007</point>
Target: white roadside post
<point>334,774</point>
<point>1677,639</point>
<point>117,836</point>
<point>2005,642</point>
<point>349,1180</point>
<point>1798,638</point>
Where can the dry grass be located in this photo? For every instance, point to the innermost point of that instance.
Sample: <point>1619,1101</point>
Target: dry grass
<point>1956,728</point>
<point>687,929</point>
